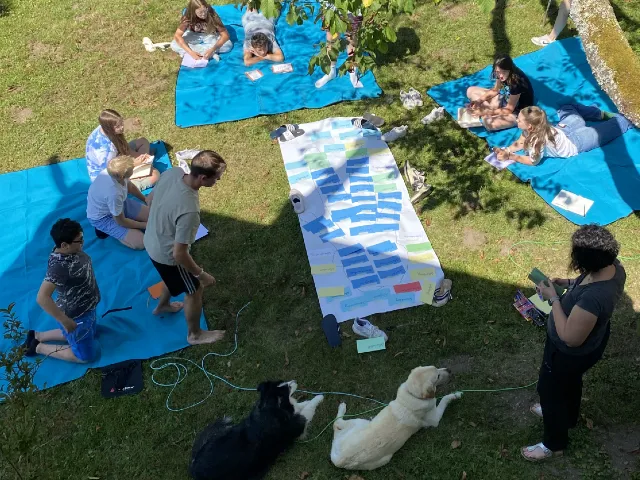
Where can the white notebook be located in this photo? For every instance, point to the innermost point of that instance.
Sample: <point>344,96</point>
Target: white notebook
<point>466,120</point>
<point>572,202</point>
<point>188,61</point>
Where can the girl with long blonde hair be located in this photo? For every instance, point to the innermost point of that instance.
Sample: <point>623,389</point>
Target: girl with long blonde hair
<point>569,137</point>
<point>201,33</point>
<point>107,141</point>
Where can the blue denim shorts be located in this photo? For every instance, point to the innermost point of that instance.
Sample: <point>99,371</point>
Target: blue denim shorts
<point>82,339</point>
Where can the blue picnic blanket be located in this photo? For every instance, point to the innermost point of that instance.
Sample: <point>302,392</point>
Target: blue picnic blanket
<point>221,92</point>
<point>32,201</point>
<point>560,74</point>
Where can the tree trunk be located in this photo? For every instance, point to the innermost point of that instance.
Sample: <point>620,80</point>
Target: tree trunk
<point>614,64</point>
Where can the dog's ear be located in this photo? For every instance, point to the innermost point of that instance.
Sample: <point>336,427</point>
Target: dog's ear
<point>424,382</point>
<point>430,389</point>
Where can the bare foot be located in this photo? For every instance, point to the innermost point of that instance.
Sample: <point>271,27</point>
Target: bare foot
<point>206,336</point>
<point>173,307</point>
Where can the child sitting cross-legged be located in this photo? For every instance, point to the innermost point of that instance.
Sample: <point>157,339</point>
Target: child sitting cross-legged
<point>70,273</point>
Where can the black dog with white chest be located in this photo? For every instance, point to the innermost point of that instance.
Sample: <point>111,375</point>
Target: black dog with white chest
<point>245,451</point>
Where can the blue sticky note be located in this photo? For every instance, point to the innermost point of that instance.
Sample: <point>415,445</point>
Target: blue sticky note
<point>318,135</point>
<point>334,147</point>
<point>389,216</point>
<point>325,237</point>
<point>295,165</point>
<point>390,195</point>
<point>364,217</point>
<point>383,247</point>
<point>332,189</point>
<point>363,198</point>
<point>343,252</point>
<point>321,173</point>
<point>366,132</point>
<point>380,294</point>
<point>327,180</point>
<point>318,225</point>
<point>390,205</point>
<point>353,272</point>
<point>357,162</point>
<point>385,262</point>
<point>347,293</point>
<point>350,134</point>
<point>370,344</point>
<point>357,170</point>
<point>347,262</point>
<point>408,298</point>
<point>352,303</point>
<point>338,197</point>
<point>360,179</point>
<point>338,124</point>
<point>300,176</point>
<point>380,227</point>
<point>361,282</point>
<point>391,273</point>
<point>361,188</point>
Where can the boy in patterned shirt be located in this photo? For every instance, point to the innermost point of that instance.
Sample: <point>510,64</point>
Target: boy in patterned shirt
<point>70,273</point>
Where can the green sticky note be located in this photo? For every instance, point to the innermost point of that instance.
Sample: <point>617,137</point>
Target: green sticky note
<point>370,344</point>
<point>323,269</point>
<point>385,187</point>
<point>428,289</point>
<point>330,292</point>
<point>318,164</point>
<point>383,177</point>
<point>355,143</point>
<point>378,151</point>
<point>312,157</point>
<point>359,153</point>
<point>422,273</point>
<point>419,247</point>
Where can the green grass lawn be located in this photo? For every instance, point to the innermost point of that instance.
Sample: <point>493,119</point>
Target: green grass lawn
<point>63,61</point>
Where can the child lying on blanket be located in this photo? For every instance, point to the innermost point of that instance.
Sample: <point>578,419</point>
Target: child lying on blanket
<point>569,137</point>
<point>70,273</point>
<point>499,106</point>
<point>107,141</point>
<point>259,39</point>
<point>110,211</point>
<point>201,33</point>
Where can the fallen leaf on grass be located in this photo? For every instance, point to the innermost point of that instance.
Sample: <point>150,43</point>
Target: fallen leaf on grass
<point>589,423</point>
<point>355,477</point>
<point>486,341</point>
<point>399,353</point>
<point>304,475</point>
<point>464,476</point>
<point>455,444</point>
<point>286,359</point>
<point>473,424</point>
<point>297,332</point>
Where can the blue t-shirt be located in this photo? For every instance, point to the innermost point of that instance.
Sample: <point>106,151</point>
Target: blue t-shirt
<point>99,152</point>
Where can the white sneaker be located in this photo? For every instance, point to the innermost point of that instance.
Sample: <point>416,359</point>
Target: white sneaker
<point>364,328</point>
<point>542,41</point>
<point>443,294</point>
<point>297,201</point>
<point>423,191</point>
<point>355,79</point>
<point>435,115</point>
<point>407,100</point>
<point>395,133</point>
<point>416,97</point>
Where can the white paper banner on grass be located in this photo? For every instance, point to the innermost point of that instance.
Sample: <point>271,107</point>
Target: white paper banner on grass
<point>366,246</point>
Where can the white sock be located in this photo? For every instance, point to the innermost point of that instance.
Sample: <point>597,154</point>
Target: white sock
<point>327,78</point>
<point>395,133</point>
<point>355,81</point>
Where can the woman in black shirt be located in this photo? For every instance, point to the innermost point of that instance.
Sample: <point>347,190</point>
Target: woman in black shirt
<point>577,334</point>
<point>498,107</point>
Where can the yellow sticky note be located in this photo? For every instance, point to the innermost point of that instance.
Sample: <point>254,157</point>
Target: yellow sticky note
<point>323,269</point>
<point>331,292</point>
<point>428,289</point>
<point>354,143</point>
<point>423,257</point>
<point>378,151</point>
<point>422,273</point>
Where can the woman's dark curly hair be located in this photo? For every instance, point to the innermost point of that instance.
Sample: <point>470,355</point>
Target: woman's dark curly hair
<point>592,248</point>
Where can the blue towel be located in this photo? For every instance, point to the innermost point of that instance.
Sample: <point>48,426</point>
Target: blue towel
<point>222,92</point>
<point>561,75</point>
<point>32,201</point>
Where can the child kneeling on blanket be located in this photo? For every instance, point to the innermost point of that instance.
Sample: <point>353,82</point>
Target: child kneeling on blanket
<point>70,273</point>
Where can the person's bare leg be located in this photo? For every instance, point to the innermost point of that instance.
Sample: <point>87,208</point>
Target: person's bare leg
<point>499,122</point>
<point>561,19</point>
<point>134,239</point>
<point>192,311</point>
<point>143,214</point>
<point>61,352</point>
<point>475,93</point>
<point>165,305</point>
<point>332,71</point>
<point>54,335</point>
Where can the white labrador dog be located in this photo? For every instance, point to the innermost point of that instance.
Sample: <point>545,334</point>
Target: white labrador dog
<point>360,444</point>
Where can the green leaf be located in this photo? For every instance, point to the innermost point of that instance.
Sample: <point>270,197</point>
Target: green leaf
<point>268,8</point>
<point>390,34</point>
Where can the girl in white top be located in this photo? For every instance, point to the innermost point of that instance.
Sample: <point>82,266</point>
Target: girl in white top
<point>568,138</point>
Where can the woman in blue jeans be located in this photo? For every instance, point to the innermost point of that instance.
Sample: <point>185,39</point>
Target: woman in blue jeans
<point>569,137</point>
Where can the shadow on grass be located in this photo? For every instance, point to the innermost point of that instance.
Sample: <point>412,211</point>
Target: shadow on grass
<point>501,42</point>
<point>406,44</point>
<point>5,7</point>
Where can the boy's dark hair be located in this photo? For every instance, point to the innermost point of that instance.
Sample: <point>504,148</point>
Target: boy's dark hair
<point>505,62</point>
<point>261,41</point>
<point>592,248</point>
<point>207,163</point>
<point>65,230</point>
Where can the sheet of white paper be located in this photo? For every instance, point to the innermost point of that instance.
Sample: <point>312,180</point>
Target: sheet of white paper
<point>188,61</point>
<point>572,202</point>
<point>202,231</point>
<point>333,155</point>
<point>492,159</point>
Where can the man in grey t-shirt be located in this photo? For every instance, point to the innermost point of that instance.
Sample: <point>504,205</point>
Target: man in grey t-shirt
<point>174,218</point>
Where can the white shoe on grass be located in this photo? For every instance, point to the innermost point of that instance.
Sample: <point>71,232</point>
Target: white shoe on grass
<point>395,133</point>
<point>364,328</point>
<point>355,79</point>
<point>435,115</point>
<point>415,96</point>
<point>542,41</point>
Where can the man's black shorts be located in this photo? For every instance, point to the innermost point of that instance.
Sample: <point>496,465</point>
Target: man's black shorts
<point>177,279</point>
